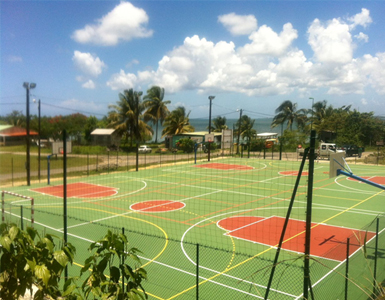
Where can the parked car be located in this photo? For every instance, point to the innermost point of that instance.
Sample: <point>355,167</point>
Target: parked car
<point>323,150</point>
<point>144,149</point>
<point>352,150</point>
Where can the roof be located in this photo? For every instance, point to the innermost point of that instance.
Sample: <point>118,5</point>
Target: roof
<point>266,135</point>
<point>15,131</point>
<point>2,127</point>
<point>200,133</point>
<point>102,131</point>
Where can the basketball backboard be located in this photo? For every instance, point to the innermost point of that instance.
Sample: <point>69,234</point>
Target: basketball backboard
<point>57,147</point>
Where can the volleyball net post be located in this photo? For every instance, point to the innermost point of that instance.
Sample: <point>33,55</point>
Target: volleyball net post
<point>3,212</point>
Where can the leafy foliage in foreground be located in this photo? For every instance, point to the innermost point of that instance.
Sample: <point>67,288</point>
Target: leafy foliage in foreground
<point>29,259</point>
<point>111,253</point>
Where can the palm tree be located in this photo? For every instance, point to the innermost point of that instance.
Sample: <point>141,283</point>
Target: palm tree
<point>16,118</point>
<point>127,116</point>
<point>177,122</point>
<point>219,124</point>
<point>287,112</point>
<point>247,131</point>
<point>157,110</point>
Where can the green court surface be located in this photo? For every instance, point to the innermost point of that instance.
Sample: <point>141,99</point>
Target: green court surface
<point>221,220</point>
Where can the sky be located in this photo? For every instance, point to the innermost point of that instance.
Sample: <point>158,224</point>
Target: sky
<point>250,55</point>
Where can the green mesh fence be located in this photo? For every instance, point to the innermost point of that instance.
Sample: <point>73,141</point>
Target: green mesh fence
<point>217,223</point>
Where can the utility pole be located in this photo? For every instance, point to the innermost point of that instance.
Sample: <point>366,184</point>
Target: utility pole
<point>239,128</point>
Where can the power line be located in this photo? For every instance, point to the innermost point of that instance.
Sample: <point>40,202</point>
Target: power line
<point>70,109</point>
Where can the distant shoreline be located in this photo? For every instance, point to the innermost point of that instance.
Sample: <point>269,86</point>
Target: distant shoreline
<point>201,124</point>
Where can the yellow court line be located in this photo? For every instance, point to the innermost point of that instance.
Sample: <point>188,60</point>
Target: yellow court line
<point>273,247</point>
<point>129,217</point>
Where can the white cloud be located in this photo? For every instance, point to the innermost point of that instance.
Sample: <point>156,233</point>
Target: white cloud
<point>363,18</point>
<point>89,85</point>
<point>364,101</point>
<point>269,65</point>
<point>122,81</point>
<point>362,37</point>
<point>267,42</point>
<point>374,68</point>
<point>237,24</point>
<point>15,59</point>
<point>132,63</point>
<point>83,106</point>
<point>88,63</point>
<point>124,23</point>
<point>331,43</point>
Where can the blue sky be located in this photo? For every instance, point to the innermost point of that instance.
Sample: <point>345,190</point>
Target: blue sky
<point>251,55</point>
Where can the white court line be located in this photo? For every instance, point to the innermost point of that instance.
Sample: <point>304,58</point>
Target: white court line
<point>223,272</point>
<point>336,267</point>
<point>138,211</point>
<point>166,265</point>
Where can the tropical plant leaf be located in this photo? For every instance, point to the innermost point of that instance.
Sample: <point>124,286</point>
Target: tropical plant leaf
<point>6,243</point>
<point>61,257</point>
<point>13,232</point>
<point>42,272</point>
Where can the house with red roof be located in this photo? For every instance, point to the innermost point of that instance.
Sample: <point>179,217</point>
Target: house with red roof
<point>13,135</point>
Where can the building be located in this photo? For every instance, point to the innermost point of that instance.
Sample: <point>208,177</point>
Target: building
<point>105,137</point>
<point>223,139</point>
<point>13,135</point>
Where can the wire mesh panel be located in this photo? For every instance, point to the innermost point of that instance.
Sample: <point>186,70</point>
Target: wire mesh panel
<point>212,228</point>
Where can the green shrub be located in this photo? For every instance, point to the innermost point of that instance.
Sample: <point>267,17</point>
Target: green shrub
<point>186,145</point>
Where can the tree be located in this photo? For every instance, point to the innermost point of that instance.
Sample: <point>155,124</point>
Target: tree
<point>157,110</point>
<point>91,125</point>
<point>16,118</point>
<point>177,122</point>
<point>287,113</point>
<point>219,124</point>
<point>246,127</point>
<point>127,116</point>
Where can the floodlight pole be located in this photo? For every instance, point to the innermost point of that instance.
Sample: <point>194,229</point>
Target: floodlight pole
<point>27,87</point>
<point>209,150</point>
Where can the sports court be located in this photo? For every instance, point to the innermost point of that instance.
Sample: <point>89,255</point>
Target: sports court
<point>221,220</point>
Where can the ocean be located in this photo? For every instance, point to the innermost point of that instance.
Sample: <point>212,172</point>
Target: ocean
<point>260,125</point>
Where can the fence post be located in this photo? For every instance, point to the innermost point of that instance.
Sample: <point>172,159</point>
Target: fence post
<point>65,195</point>
<point>306,279</point>
<point>2,207</point>
<point>21,218</point>
<point>127,161</point>
<point>12,170</point>
<point>122,264</point>
<point>197,272</point>
<point>108,161</point>
<point>375,283</point>
<point>88,164</point>
<point>347,268</point>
